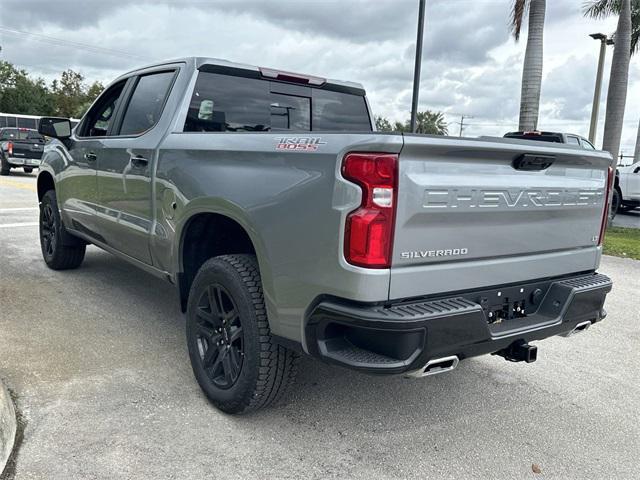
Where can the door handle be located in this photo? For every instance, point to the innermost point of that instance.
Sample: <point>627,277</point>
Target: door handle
<point>139,161</point>
<point>91,157</point>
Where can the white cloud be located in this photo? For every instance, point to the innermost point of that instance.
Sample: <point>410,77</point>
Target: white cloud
<point>471,65</point>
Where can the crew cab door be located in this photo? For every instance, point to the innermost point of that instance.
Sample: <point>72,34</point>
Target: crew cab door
<point>77,188</point>
<point>124,211</point>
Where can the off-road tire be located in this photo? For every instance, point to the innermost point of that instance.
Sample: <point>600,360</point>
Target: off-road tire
<point>616,200</point>
<point>4,166</point>
<point>267,369</point>
<point>60,249</point>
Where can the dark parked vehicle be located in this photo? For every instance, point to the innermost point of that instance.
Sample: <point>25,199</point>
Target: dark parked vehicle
<point>20,147</point>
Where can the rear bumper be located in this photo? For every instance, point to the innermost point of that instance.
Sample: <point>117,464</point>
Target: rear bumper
<point>24,162</point>
<point>401,337</point>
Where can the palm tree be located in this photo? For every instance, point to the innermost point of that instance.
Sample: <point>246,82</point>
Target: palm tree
<point>431,122</point>
<point>532,69</point>
<point>428,122</point>
<point>619,77</point>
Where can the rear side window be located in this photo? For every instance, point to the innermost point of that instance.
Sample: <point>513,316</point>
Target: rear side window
<point>147,102</point>
<point>222,103</point>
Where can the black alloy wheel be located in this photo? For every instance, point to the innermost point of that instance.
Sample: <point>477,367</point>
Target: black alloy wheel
<point>219,336</point>
<point>48,229</point>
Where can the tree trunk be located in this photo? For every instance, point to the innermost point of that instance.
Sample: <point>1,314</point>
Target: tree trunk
<point>636,155</point>
<point>532,69</point>
<point>618,81</point>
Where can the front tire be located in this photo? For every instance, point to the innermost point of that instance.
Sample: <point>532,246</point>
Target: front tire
<point>233,355</point>
<point>60,250</point>
<point>616,200</point>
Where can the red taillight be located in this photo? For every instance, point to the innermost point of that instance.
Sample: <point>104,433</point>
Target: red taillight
<point>10,148</point>
<point>369,229</point>
<point>607,203</point>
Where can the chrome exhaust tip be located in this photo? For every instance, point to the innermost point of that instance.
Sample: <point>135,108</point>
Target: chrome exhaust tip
<point>579,328</point>
<point>434,367</point>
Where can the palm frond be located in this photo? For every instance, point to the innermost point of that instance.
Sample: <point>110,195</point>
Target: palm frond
<point>518,12</point>
<point>599,9</point>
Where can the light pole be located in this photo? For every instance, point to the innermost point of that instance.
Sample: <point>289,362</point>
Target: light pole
<point>604,41</point>
<point>418,65</point>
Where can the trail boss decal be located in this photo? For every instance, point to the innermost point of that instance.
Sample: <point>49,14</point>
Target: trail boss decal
<point>304,144</point>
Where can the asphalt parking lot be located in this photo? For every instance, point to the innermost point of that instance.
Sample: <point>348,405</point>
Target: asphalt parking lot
<point>98,362</point>
<point>627,219</point>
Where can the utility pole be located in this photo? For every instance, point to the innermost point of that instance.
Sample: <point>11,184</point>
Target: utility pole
<point>462,117</point>
<point>418,65</point>
<point>604,41</point>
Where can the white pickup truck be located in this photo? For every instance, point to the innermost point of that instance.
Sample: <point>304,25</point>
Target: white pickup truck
<point>626,195</point>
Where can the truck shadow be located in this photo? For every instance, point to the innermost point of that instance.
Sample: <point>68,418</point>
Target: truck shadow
<point>324,397</point>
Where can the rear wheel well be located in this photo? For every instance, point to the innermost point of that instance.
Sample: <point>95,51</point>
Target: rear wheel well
<point>45,183</point>
<point>208,235</point>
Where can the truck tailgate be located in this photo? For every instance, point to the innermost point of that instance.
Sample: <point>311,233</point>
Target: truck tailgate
<point>467,217</point>
<point>28,149</point>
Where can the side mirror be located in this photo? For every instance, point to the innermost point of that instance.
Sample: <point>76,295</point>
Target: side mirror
<point>55,127</point>
<point>637,170</point>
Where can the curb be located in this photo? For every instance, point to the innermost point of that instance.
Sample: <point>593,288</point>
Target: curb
<point>8,426</point>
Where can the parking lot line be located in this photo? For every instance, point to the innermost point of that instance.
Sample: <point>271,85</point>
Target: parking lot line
<point>21,185</point>
<point>25,224</point>
<point>18,209</point>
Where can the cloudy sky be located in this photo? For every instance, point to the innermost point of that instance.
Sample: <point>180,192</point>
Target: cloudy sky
<point>471,65</point>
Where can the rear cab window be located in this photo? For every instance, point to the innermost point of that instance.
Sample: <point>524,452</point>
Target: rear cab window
<point>21,134</point>
<point>226,103</point>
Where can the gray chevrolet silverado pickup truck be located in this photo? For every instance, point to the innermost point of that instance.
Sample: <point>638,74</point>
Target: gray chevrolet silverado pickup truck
<point>289,226</point>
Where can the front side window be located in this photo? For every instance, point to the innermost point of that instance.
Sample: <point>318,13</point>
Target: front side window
<point>147,102</point>
<point>573,140</point>
<point>101,116</point>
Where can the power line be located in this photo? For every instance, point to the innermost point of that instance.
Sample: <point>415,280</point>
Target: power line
<point>69,43</point>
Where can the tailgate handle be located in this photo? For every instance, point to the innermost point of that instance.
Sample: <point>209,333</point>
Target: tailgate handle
<point>529,162</point>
